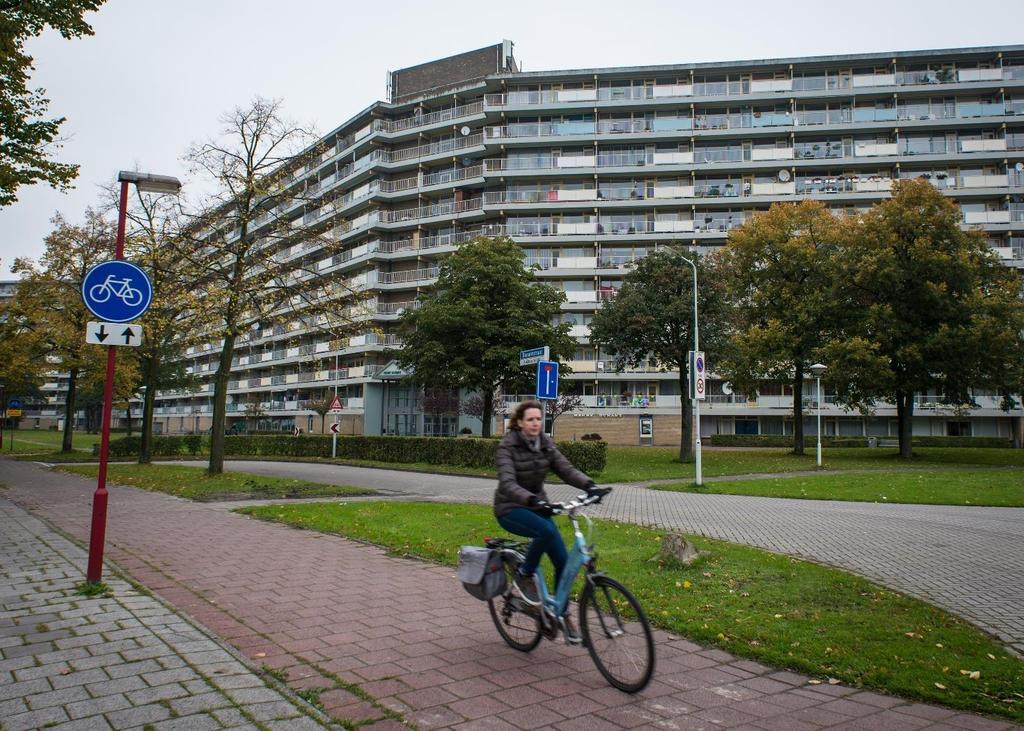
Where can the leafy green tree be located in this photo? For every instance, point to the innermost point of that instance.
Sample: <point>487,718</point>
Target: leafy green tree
<point>779,269</point>
<point>48,303</point>
<point>929,306</point>
<point>651,320</point>
<point>245,239</point>
<point>485,307</point>
<point>27,140</point>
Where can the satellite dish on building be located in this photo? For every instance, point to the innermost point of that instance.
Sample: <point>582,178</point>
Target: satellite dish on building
<point>726,388</point>
<point>465,131</point>
<point>1019,166</point>
<point>784,176</point>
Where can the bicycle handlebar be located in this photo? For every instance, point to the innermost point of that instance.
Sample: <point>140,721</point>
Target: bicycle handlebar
<point>582,500</point>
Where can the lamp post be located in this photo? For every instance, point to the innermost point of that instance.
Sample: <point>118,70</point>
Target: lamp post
<point>146,183</point>
<point>817,369</point>
<point>699,480</point>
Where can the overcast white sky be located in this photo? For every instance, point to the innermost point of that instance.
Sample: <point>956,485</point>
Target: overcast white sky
<point>156,76</point>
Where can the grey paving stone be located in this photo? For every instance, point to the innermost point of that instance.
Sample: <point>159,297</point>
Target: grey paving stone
<point>57,697</point>
<point>34,719</point>
<point>97,706</point>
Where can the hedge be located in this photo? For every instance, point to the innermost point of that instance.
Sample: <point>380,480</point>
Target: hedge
<point>590,457</point>
<point>778,440</point>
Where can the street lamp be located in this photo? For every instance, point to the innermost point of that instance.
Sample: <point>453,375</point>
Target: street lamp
<point>817,369</point>
<point>696,348</point>
<point>146,183</point>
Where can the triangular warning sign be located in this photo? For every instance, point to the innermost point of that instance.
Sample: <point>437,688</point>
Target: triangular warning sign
<point>336,403</point>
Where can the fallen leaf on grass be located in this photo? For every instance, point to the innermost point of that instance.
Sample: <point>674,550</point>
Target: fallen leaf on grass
<point>940,686</point>
<point>834,681</point>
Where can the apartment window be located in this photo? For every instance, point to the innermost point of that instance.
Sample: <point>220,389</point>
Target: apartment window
<point>746,425</point>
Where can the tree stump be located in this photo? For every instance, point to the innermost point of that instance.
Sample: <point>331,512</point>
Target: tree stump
<point>675,547</point>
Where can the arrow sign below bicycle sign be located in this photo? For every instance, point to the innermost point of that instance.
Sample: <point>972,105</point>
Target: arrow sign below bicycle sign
<point>117,291</point>
<point>113,333</point>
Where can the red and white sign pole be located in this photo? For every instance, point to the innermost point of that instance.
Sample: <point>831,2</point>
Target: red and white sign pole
<point>98,532</point>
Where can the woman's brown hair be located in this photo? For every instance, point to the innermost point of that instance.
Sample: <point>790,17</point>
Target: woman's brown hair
<point>520,412</point>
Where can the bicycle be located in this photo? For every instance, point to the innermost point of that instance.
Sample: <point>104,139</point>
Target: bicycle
<point>120,288</point>
<point>612,624</point>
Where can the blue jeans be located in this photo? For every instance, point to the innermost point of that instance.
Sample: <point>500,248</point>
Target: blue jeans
<point>546,539</point>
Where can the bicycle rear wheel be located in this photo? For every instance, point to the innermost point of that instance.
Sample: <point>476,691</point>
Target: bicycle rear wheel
<point>519,627</point>
<point>617,634</point>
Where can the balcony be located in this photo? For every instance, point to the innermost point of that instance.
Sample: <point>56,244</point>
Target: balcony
<point>424,120</point>
<point>771,153</point>
<point>985,181</point>
<point>875,149</point>
<point>405,277</point>
<point>984,217</point>
<point>445,208</point>
<point>427,242</point>
<point>983,145</point>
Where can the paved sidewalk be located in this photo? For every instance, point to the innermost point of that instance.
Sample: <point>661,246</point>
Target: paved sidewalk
<point>334,613</point>
<point>123,661</point>
<point>967,560</point>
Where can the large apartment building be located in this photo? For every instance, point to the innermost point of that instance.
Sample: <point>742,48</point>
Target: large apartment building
<point>592,169</point>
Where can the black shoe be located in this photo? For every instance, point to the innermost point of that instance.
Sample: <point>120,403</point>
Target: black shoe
<point>526,587</point>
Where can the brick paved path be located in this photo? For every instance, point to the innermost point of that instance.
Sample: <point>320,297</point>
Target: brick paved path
<point>72,662</point>
<point>332,611</point>
<point>967,560</point>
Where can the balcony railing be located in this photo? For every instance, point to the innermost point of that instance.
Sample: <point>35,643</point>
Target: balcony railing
<point>445,208</point>
<point>411,275</point>
<point>422,120</point>
<point>427,242</point>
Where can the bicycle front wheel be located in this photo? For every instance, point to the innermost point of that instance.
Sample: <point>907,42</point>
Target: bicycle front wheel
<point>517,625</point>
<point>617,634</point>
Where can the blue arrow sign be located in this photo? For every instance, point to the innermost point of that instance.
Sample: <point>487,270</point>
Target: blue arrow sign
<point>547,380</point>
<point>14,403</point>
<point>117,291</point>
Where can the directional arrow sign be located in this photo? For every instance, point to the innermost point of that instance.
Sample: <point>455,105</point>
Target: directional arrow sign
<point>334,428</point>
<point>113,333</point>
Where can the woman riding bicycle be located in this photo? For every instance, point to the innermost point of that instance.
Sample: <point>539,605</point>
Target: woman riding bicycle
<point>524,457</point>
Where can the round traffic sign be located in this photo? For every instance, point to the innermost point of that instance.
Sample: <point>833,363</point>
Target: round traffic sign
<point>700,364</point>
<point>700,385</point>
<point>117,291</point>
<point>14,403</point>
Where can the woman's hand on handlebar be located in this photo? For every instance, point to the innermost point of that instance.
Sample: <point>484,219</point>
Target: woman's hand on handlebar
<point>593,491</point>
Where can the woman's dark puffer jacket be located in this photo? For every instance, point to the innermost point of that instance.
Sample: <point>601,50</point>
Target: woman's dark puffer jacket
<point>521,471</point>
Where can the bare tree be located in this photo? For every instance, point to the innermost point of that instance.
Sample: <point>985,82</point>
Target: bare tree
<point>322,407</point>
<point>565,403</point>
<point>259,238</point>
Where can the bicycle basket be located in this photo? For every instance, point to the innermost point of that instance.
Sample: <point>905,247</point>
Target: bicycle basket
<point>481,572</point>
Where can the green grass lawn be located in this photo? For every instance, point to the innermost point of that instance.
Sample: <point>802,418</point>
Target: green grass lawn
<point>44,441</point>
<point>986,486</point>
<point>772,608</point>
<point>195,484</point>
<point>636,464</point>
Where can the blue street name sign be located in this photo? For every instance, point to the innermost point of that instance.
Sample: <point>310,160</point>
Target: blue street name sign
<point>534,355</point>
<point>547,380</point>
<point>117,291</point>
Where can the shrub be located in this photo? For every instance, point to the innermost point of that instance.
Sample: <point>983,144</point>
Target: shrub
<point>589,456</point>
<point>810,441</point>
<point>194,444</point>
<point>465,430</point>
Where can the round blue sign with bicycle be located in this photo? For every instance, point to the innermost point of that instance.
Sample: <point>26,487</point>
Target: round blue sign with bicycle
<point>117,291</point>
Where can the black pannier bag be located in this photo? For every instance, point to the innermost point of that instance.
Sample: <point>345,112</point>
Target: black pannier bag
<point>481,572</point>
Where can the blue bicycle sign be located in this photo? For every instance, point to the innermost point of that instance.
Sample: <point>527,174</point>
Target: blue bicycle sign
<point>117,291</point>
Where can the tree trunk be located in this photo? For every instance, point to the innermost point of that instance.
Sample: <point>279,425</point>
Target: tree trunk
<point>686,437</point>
<point>905,418</point>
<point>485,429</point>
<point>798,408</point>
<point>220,397</point>
<point>148,406</point>
<point>69,410</point>
<point>128,418</point>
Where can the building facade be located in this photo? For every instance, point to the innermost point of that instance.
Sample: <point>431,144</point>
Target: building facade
<point>590,170</point>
